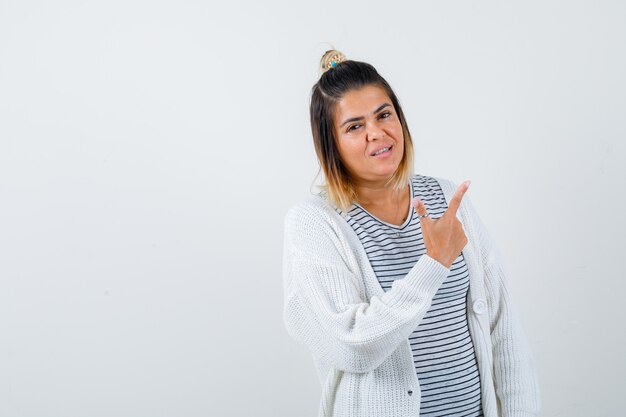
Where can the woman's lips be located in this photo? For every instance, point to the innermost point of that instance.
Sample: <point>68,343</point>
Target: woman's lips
<point>385,154</point>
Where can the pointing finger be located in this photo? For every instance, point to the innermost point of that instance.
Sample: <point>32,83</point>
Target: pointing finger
<point>455,201</point>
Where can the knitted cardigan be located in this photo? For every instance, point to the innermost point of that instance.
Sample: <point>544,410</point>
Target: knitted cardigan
<point>358,333</point>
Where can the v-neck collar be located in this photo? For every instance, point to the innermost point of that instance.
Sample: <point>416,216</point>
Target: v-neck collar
<point>471,251</point>
<point>406,222</point>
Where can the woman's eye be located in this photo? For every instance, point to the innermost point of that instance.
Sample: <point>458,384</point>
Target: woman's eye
<point>353,126</point>
<point>385,115</point>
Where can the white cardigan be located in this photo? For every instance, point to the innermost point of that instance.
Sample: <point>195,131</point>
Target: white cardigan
<point>358,333</point>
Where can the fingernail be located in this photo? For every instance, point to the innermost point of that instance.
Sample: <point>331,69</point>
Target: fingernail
<point>415,201</point>
<point>467,183</point>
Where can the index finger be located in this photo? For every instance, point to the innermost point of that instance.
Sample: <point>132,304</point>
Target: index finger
<point>455,201</point>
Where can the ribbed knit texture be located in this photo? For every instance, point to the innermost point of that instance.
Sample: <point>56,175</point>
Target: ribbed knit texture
<point>443,351</point>
<point>358,333</point>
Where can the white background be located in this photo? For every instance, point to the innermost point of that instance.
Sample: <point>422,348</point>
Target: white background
<point>149,151</point>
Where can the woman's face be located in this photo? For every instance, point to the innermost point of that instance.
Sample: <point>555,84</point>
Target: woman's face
<point>366,122</point>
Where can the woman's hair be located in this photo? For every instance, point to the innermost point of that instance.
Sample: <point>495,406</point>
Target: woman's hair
<point>339,76</point>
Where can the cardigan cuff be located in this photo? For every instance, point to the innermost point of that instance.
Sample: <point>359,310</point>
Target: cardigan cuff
<point>427,275</point>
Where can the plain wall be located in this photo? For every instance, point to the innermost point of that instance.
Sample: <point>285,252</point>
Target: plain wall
<point>149,151</point>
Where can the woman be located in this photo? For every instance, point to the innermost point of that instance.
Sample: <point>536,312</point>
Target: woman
<point>390,278</point>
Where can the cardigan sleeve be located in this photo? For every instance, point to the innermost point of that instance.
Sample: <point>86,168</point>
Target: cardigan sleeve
<point>515,378</point>
<point>325,307</point>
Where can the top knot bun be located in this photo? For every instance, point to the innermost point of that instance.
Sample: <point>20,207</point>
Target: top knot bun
<point>330,59</point>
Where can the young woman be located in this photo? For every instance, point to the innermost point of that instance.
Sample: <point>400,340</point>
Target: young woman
<point>390,278</point>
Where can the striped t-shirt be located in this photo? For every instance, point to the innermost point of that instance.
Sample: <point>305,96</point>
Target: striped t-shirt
<point>443,352</point>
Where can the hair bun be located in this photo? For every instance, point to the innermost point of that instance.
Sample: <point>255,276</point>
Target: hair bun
<point>330,59</point>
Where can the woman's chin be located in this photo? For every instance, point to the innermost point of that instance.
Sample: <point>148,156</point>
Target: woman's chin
<point>382,174</point>
<point>385,169</point>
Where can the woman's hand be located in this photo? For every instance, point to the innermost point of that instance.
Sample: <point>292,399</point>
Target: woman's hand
<point>444,237</point>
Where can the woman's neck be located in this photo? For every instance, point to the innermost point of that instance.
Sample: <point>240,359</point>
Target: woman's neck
<point>373,195</point>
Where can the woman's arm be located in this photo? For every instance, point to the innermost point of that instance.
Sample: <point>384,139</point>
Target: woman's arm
<point>325,307</point>
<point>515,376</point>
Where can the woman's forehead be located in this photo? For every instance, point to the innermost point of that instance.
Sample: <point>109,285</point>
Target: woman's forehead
<point>361,102</point>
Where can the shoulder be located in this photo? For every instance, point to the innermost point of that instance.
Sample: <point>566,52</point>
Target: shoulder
<point>311,208</point>
<point>439,185</point>
<point>310,216</point>
<point>313,228</point>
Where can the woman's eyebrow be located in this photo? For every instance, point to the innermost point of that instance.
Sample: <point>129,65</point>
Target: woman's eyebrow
<point>356,119</point>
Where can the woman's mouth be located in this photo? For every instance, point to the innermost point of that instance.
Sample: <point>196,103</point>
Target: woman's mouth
<point>384,152</point>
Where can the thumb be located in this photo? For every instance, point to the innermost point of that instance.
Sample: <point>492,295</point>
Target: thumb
<point>420,208</point>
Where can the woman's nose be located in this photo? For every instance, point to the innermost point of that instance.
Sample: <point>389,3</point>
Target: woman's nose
<point>374,132</point>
